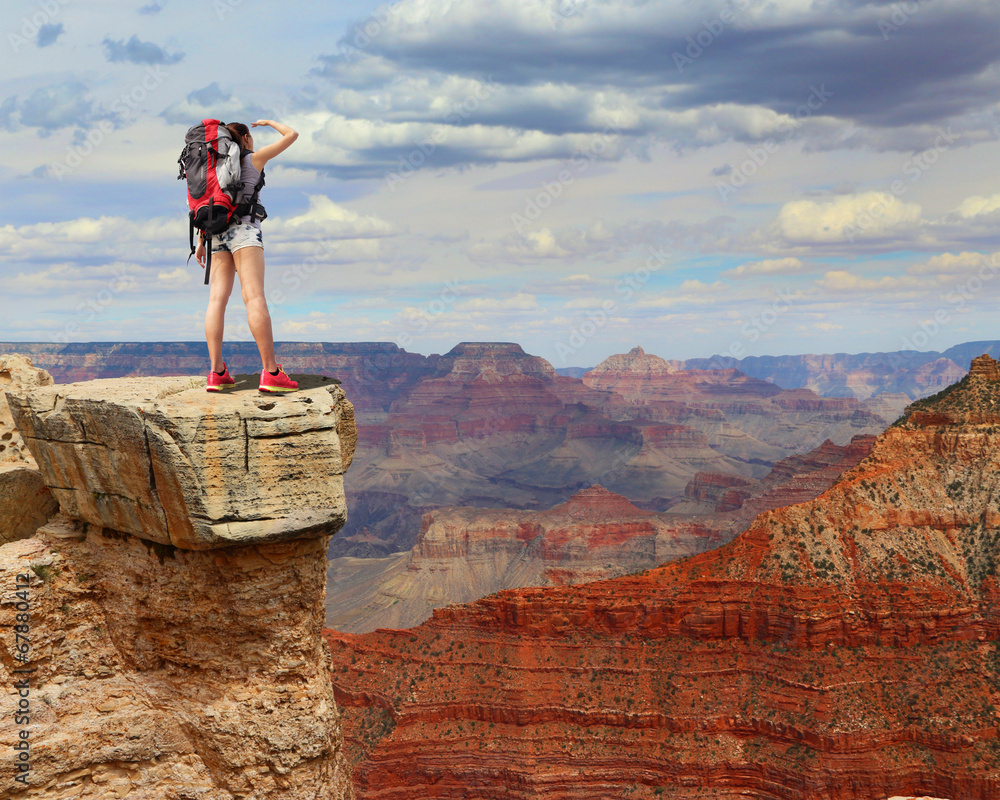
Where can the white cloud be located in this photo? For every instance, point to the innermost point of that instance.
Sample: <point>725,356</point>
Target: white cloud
<point>948,264</point>
<point>517,302</point>
<point>847,218</point>
<point>978,206</point>
<point>843,281</point>
<point>179,277</point>
<point>326,219</point>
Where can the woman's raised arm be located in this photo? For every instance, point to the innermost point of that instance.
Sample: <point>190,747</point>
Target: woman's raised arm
<point>266,153</point>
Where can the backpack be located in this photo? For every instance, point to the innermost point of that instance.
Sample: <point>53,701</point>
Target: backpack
<point>210,161</point>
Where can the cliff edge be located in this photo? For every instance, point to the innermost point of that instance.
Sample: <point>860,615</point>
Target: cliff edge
<point>162,635</point>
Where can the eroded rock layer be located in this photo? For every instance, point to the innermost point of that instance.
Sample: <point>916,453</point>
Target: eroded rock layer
<point>157,672</point>
<point>842,648</point>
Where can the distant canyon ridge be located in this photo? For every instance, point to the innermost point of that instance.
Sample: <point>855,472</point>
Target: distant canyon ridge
<point>359,364</point>
<point>487,425</point>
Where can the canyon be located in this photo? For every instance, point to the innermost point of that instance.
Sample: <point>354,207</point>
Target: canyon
<point>839,648</point>
<point>464,553</point>
<point>497,427</point>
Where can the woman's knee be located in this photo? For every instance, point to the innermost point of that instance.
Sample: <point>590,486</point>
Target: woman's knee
<point>256,304</point>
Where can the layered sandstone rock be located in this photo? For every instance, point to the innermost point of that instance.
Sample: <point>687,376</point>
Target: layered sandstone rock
<point>16,372</point>
<point>842,648</point>
<point>25,501</point>
<point>163,459</point>
<point>160,671</point>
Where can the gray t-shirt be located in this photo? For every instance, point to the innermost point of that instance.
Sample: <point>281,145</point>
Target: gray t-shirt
<point>249,175</point>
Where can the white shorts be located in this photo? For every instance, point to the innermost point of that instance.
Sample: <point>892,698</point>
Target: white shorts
<point>237,236</point>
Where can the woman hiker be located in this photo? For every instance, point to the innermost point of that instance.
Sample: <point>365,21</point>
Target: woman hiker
<point>240,251</point>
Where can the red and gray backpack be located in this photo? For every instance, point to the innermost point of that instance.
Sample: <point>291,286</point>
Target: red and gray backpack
<point>210,161</point>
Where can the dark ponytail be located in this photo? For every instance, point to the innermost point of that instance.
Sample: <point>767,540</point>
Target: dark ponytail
<point>239,132</point>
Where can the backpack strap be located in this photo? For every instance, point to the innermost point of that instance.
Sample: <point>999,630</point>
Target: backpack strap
<point>254,196</point>
<point>208,257</point>
<point>190,236</point>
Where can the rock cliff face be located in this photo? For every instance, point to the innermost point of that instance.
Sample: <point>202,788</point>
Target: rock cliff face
<point>162,655</point>
<point>845,647</point>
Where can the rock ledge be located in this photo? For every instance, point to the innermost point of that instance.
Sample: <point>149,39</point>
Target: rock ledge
<point>165,461</point>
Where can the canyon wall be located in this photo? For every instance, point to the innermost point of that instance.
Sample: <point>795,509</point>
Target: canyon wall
<point>840,648</point>
<point>463,554</point>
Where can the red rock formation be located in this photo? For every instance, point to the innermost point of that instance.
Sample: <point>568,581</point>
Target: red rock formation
<point>642,378</point>
<point>496,426</point>
<point>722,492</point>
<point>842,648</point>
<point>466,553</point>
<point>743,417</point>
<point>463,554</point>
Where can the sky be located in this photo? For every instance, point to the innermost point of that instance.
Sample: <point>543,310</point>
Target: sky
<point>742,177</point>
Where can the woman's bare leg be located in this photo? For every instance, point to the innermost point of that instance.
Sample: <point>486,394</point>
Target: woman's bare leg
<point>250,266</point>
<point>223,275</point>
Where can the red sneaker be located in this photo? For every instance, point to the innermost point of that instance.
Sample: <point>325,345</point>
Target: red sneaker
<point>216,382</point>
<point>276,383</point>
